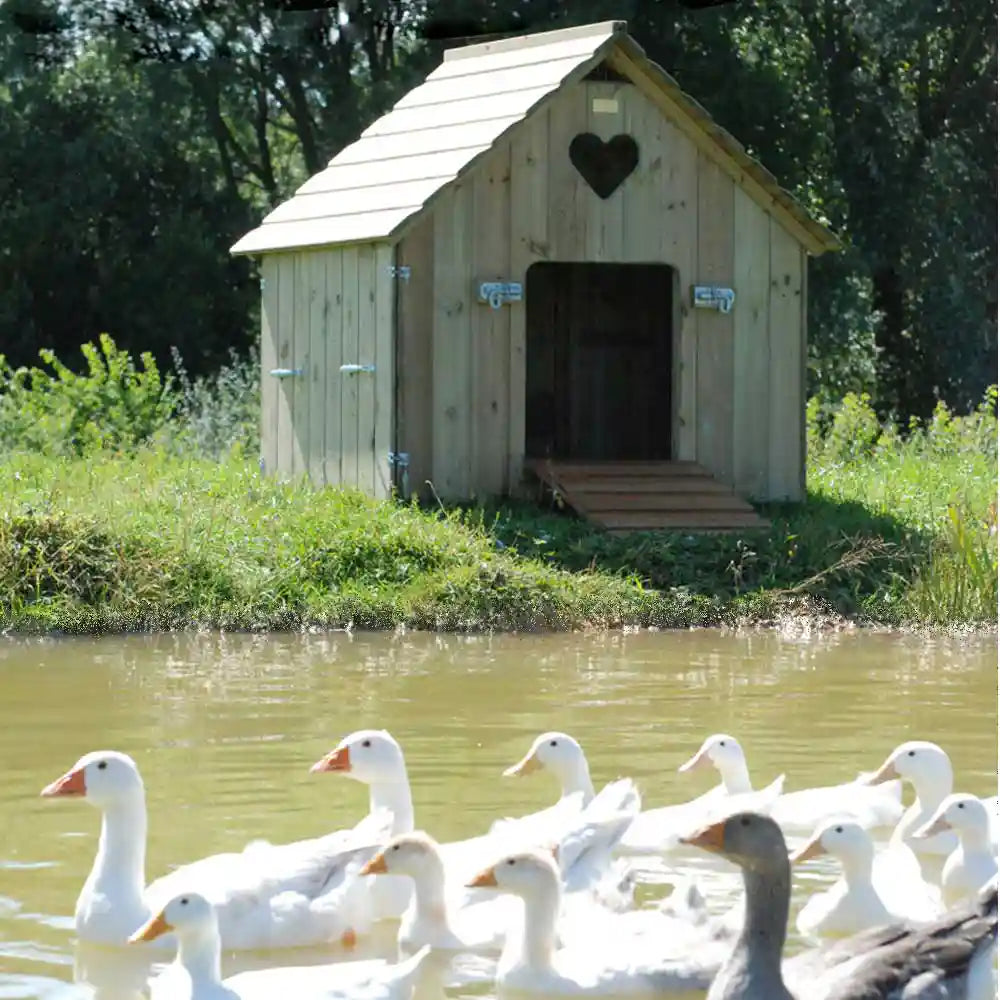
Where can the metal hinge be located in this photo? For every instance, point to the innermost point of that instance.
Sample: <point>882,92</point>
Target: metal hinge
<point>401,271</point>
<point>285,372</point>
<point>356,369</point>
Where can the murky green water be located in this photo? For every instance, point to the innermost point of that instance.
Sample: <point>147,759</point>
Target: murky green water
<point>224,730</point>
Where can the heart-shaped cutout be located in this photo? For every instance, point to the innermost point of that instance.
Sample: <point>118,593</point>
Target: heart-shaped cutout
<point>604,165</point>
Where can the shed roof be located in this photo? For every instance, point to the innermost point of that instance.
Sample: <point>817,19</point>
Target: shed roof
<point>372,188</point>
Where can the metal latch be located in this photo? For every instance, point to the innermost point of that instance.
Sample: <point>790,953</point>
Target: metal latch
<point>401,271</point>
<point>496,293</point>
<point>355,369</point>
<point>713,297</point>
<point>285,372</point>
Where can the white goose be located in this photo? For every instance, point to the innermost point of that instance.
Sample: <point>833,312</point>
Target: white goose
<point>376,758</point>
<point>927,767</point>
<point>273,896</point>
<point>195,973</point>
<point>450,922</point>
<point>801,811</point>
<point>655,831</point>
<point>972,864</point>
<point>590,966</point>
<point>852,903</point>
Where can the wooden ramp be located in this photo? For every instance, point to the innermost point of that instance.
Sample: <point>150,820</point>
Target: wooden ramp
<point>647,496</point>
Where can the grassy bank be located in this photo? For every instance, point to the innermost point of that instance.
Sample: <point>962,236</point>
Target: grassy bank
<point>173,526</point>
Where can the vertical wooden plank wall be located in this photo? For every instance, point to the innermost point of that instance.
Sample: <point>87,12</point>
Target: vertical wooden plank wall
<point>454,226</point>
<point>384,333</point>
<point>366,334</point>
<point>490,328</point>
<point>285,457</point>
<point>605,233</point>
<point>332,456</point>
<point>414,375</point>
<point>529,243</point>
<point>316,372</point>
<point>751,347</point>
<point>462,416</point>
<point>349,399</point>
<point>269,388</point>
<point>714,330</point>
<point>785,457</point>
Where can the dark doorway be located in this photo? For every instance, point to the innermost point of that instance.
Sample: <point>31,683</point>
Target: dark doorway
<point>599,339</point>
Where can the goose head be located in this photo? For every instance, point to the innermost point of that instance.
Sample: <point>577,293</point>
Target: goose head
<point>923,764</point>
<point>751,840</point>
<point>963,813</point>
<point>370,756</point>
<point>528,874</point>
<point>724,753</point>
<point>412,854</point>
<point>105,778</point>
<point>558,753</point>
<point>844,839</point>
<point>190,917</point>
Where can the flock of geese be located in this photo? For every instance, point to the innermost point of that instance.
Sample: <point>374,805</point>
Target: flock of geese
<point>550,895</point>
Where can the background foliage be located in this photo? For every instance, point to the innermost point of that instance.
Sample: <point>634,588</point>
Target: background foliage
<point>140,138</point>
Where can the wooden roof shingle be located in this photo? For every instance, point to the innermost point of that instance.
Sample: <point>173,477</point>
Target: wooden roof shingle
<point>378,184</point>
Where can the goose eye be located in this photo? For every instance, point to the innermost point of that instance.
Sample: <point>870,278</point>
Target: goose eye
<point>745,821</point>
<point>395,847</point>
<point>838,829</point>
<point>961,805</point>
<point>553,743</point>
<point>366,743</point>
<point>722,743</point>
<point>511,861</point>
<point>911,753</point>
<point>102,765</point>
<point>184,901</point>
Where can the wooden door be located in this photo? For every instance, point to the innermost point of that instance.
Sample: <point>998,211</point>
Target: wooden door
<point>599,361</point>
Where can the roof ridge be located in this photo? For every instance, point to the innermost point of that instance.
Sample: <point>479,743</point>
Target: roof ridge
<point>602,28</point>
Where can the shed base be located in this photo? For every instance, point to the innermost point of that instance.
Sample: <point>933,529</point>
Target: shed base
<point>647,496</point>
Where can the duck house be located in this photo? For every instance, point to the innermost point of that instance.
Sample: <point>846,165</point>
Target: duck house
<point>545,263</point>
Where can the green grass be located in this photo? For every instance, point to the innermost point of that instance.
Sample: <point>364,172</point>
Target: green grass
<point>166,523</point>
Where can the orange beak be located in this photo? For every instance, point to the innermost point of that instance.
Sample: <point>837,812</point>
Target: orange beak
<point>71,783</point>
<point>711,838</point>
<point>526,765</point>
<point>151,929</point>
<point>699,761</point>
<point>486,879</point>
<point>376,866</point>
<point>885,773</point>
<point>811,850</point>
<point>335,760</point>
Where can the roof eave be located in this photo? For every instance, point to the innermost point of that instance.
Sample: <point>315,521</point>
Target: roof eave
<point>629,58</point>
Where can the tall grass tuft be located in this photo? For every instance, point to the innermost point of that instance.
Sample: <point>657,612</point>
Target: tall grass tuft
<point>959,584</point>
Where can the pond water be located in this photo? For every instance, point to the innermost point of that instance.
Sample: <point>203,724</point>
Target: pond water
<point>224,729</point>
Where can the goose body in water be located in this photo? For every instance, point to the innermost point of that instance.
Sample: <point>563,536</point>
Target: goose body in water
<point>195,972</point>
<point>803,810</point>
<point>266,896</point>
<point>948,959</point>
<point>927,767</point>
<point>654,831</point>
<point>591,965</point>
<point>972,864</point>
<point>852,903</point>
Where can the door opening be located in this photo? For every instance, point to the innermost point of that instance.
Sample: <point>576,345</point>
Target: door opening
<point>599,361</point>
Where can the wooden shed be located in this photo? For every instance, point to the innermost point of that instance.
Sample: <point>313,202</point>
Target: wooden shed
<point>544,260</point>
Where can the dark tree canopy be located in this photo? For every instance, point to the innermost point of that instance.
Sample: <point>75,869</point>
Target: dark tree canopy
<point>140,138</point>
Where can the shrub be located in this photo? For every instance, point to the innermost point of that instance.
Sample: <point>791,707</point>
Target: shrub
<point>110,405</point>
